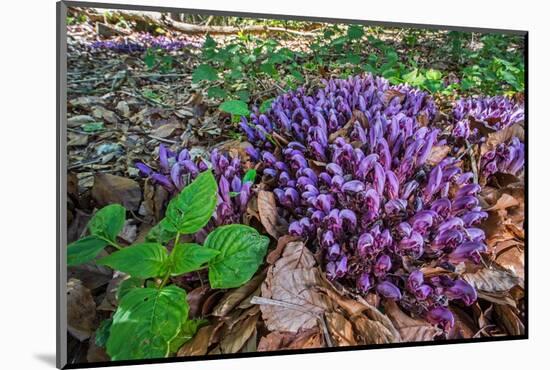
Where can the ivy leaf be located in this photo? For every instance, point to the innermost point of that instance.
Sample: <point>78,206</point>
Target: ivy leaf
<point>192,208</point>
<point>249,176</point>
<point>146,321</point>
<point>189,257</point>
<point>144,261</point>
<point>187,331</point>
<point>102,333</point>
<point>242,250</point>
<point>84,250</point>
<point>235,107</point>
<point>108,222</point>
<point>204,72</point>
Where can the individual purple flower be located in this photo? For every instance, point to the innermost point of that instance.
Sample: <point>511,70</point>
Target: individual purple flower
<point>388,290</point>
<point>442,317</point>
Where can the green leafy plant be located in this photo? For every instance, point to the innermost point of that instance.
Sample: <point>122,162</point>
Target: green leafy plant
<point>152,312</point>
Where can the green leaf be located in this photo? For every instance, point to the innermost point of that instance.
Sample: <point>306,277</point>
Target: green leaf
<point>159,233</point>
<point>102,333</point>
<point>216,92</point>
<point>149,59</point>
<point>84,250</point>
<point>243,95</point>
<point>249,176</point>
<point>108,222</point>
<point>146,321</point>
<point>127,285</point>
<point>92,126</point>
<point>266,105</point>
<point>242,252</point>
<point>355,32</point>
<point>433,74</point>
<point>204,72</point>
<point>235,107</point>
<point>192,208</point>
<point>144,261</point>
<point>268,68</point>
<point>189,257</point>
<point>187,331</point>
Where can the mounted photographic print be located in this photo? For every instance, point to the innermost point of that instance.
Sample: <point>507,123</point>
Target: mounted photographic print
<point>235,185</point>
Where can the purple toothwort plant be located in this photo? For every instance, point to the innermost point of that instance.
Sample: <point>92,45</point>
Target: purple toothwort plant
<point>144,41</point>
<point>496,113</point>
<point>353,179</point>
<point>176,170</point>
<point>507,158</point>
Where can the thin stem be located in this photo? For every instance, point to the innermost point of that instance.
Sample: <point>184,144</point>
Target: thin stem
<point>167,276</point>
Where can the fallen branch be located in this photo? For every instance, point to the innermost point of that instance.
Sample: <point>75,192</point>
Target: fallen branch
<point>165,20</point>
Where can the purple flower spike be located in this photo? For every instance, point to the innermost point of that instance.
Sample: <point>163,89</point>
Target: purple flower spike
<point>364,282</point>
<point>163,159</point>
<point>144,169</point>
<point>354,186</point>
<point>388,290</point>
<point>442,317</point>
<point>467,251</point>
<point>383,265</point>
<point>463,291</point>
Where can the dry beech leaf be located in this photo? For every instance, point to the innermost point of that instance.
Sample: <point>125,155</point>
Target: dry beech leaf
<point>196,298</point>
<point>411,330</point>
<point>340,329</point>
<point>95,353</point>
<point>292,282</point>
<point>389,94</point>
<point>91,275</point>
<point>281,243</point>
<point>508,318</point>
<point>372,332</point>
<point>198,345</point>
<point>80,310</point>
<point>234,297</point>
<point>165,130</point>
<point>239,335</point>
<point>267,208</point>
<point>505,201</point>
<point>109,189</point>
<point>311,338</point>
<point>502,136</point>
<point>493,280</point>
<point>437,154</point>
<point>512,259</point>
<point>464,327</point>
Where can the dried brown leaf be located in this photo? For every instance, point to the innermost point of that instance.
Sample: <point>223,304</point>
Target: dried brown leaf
<point>109,189</point>
<point>340,329</point>
<point>493,280</point>
<point>232,298</point>
<point>437,154</point>
<point>267,208</point>
<point>239,335</point>
<point>292,280</point>
<point>80,310</point>
<point>198,345</point>
<point>281,244</point>
<point>410,329</point>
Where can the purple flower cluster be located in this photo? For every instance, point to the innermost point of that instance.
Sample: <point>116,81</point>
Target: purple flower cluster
<point>354,180</point>
<point>507,158</point>
<point>176,170</point>
<point>145,41</point>
<point>495,112</point>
